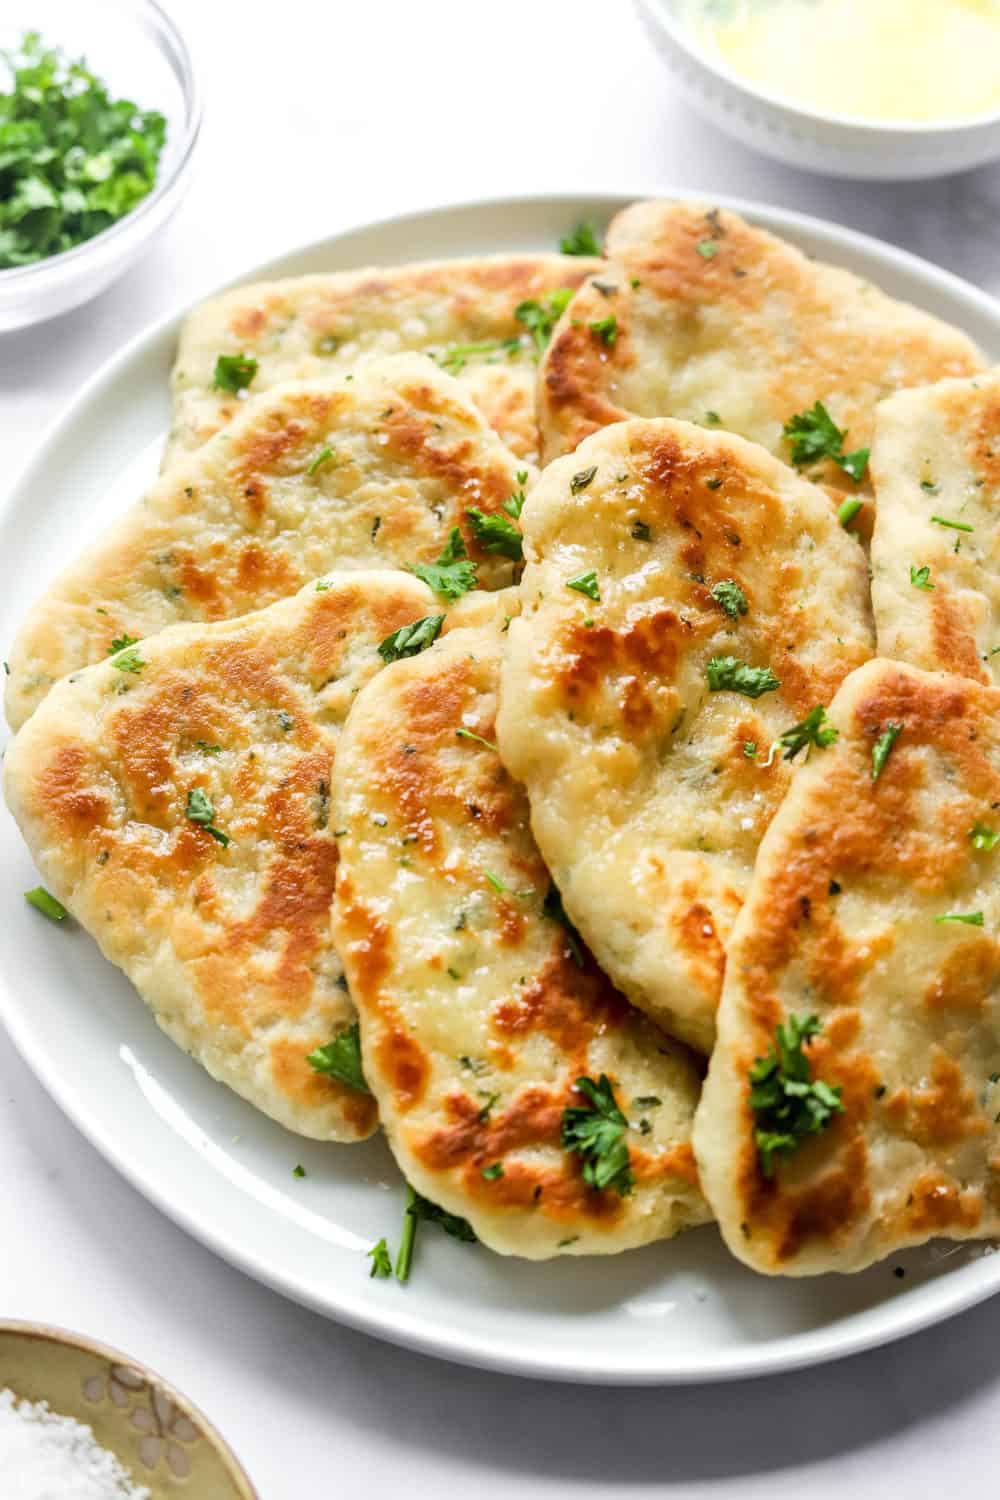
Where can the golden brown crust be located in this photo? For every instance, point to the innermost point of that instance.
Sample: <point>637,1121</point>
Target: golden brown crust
<point>476,1018</point>
<point>229,943</point>
<point>717,321</point>
<point>842,922</point>
<point>311,327</point>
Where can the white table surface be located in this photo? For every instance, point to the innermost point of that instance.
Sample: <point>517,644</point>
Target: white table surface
<point>324,113</point>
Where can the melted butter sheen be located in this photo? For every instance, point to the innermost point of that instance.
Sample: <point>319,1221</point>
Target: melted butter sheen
<point>916,60</point>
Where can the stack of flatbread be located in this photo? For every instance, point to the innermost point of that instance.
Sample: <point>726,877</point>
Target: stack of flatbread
<point>620,835</point>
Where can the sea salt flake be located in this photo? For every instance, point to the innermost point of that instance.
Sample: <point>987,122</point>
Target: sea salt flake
<point>45,1456</point>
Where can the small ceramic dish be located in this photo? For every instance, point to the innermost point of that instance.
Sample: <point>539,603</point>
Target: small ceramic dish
<point>842,145</point>
<point>164,1442</point>
<point>137,49</point>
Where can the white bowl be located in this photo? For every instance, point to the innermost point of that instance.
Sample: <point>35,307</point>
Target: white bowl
<point>137,49</point>
<point>843,145</point>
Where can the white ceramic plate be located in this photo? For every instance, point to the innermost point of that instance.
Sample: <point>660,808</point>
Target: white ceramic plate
<point>683,1311</point>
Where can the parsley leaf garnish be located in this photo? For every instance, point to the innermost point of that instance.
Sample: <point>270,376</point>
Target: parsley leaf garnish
<point>847,510</point>
<point>581,240</point>
<point>586,583</point>
<point>381,1260</point>
<point>43,901</point>
<point>640,530</point>
<point>729,674</point>
<point>496,534</point>
<point>882,746</point>
<point>813,730</point>
<point>983,837</point>
<point>233,373</point>
<point>492,1173</point>
<point>789,1104</point>
<point>606,329</point>
<point>552,907</point>
<point>951,525</point>
<point>514,504</point>
<point>122,643</point>
<point>128,660</point>
<point>813,435</point>
<point>319,460</point>
<point>452,575</point>
<point>970,918</point>
<point>454,358</point>
<point>580,481</point>
<point>730,598</point>
<point>417,1208</point>
<point>200,810</point>
<point>341,1059</point>
<point>467,734</point>
<point>540,318</point>
<point>921,577</point>
<point>410,640</point>
<point>596,1133</point>
<point>707,249</point>
<point>73,158</point>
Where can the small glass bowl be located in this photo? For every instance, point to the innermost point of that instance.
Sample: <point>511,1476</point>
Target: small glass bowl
<point>138,51</point>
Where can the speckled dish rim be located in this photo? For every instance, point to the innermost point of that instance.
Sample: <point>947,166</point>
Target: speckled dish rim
<point>47,1333</point>
<point>962,1288</point>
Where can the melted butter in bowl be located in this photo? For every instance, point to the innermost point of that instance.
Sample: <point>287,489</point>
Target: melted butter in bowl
<point>918,61</point>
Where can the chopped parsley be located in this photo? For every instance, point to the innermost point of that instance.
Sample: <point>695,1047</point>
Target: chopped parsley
<point>750,749</point>
<point>540,318</point>
<point>43,901</point>
<point>73,158</point>
<point>595,1132</point>
<point>514,504</point>
<point>381,1260</point>
<point>417,1208</point>
<point>921,577</point>
<point>285,720</point>
<point>410,640</point>
<point>495,881</point>
<point>122,643</point>
<point>847,510</point>
<point>299,1171</point>
<point>581,240</point>
<point>813,435</point>
<point>128,660</point>
<point>789,1104</point>
<point>492,1173</point>
<point>707,249</point>
<point>983,837</point>
<point>639,529</point>
<point>319,460</point>
<point>200,810</point>
<point>233,373</point>
<point>952,525</point>
<point>552,907</point>
<point>467,734</point>
<point>882,746</point>
<point>813,730</point>
<point>341,1059</point>
<point>730,598</point>
<point>496,534</point>
<point>454,358</point>
<point>970,918</point>
<point>712,419</point>
<point>586,583</point>
<point>929,487</point>
<point>580,481</point>
<point>451,575</point>
<point>727,674</point>
<point>606,329</point>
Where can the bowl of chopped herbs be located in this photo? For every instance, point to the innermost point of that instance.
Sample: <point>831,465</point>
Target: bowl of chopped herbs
<point>99,117</point>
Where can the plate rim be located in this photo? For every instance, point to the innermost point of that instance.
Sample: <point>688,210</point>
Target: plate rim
<point>956,1292</point>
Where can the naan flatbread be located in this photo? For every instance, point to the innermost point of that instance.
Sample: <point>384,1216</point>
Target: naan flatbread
<point>118,780</point>
<point>721,323</point>
<point>460,311</point>
<point>936,546</point>
<point>865,913</point>
<point>366,471</point>
<point>478,1011</point>
<point>654,551</point>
